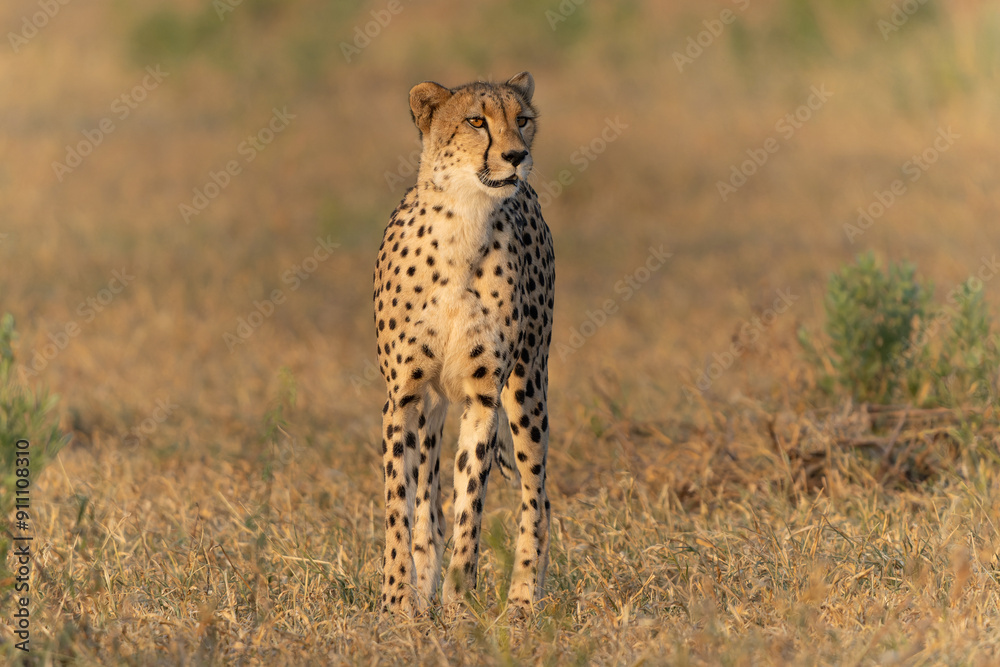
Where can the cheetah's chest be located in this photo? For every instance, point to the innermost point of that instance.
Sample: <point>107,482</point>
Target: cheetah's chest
<point>449,294</point>
<point>475,307</point>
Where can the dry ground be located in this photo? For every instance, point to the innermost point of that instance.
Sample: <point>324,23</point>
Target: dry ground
<point>757,522</point>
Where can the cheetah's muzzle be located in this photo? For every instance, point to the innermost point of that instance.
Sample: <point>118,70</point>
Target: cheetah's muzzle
<point>490,183</point>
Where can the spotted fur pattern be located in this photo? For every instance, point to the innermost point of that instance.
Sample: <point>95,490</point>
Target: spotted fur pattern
<point>463,311</point>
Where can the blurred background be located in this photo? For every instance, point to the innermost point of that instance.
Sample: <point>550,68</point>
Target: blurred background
<point>192,194</point>
<point>117,115</point>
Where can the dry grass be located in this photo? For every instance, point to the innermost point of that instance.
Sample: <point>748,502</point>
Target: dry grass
<point>761,523</point>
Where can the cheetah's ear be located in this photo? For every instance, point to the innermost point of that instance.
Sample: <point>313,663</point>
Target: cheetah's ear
<point>524,83</point>
<point>425,98</point>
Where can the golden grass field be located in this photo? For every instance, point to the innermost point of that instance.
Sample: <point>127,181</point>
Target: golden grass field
<point>219,501</point>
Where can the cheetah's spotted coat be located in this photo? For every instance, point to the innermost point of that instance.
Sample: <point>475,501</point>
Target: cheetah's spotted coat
<point>463,311</point>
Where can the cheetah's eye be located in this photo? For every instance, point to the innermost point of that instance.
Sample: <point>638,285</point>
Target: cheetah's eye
<point>522,121</point>
<point>477,122</point>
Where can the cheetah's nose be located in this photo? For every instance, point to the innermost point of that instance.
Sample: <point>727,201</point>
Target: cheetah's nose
<point>514,157</point>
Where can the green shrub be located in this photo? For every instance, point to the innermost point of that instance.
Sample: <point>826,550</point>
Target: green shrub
<point>967,361</point>
<point>872,321</point>
<point>885,341</point>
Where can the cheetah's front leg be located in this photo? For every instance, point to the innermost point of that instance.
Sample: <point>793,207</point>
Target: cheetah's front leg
<point>399,459</point>
<point>524,401</point>
<point>472,471</point>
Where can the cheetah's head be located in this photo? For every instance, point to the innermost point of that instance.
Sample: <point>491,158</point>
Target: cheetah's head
<point>477,136</point>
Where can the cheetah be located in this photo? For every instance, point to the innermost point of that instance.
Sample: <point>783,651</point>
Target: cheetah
<point>463,311</point>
